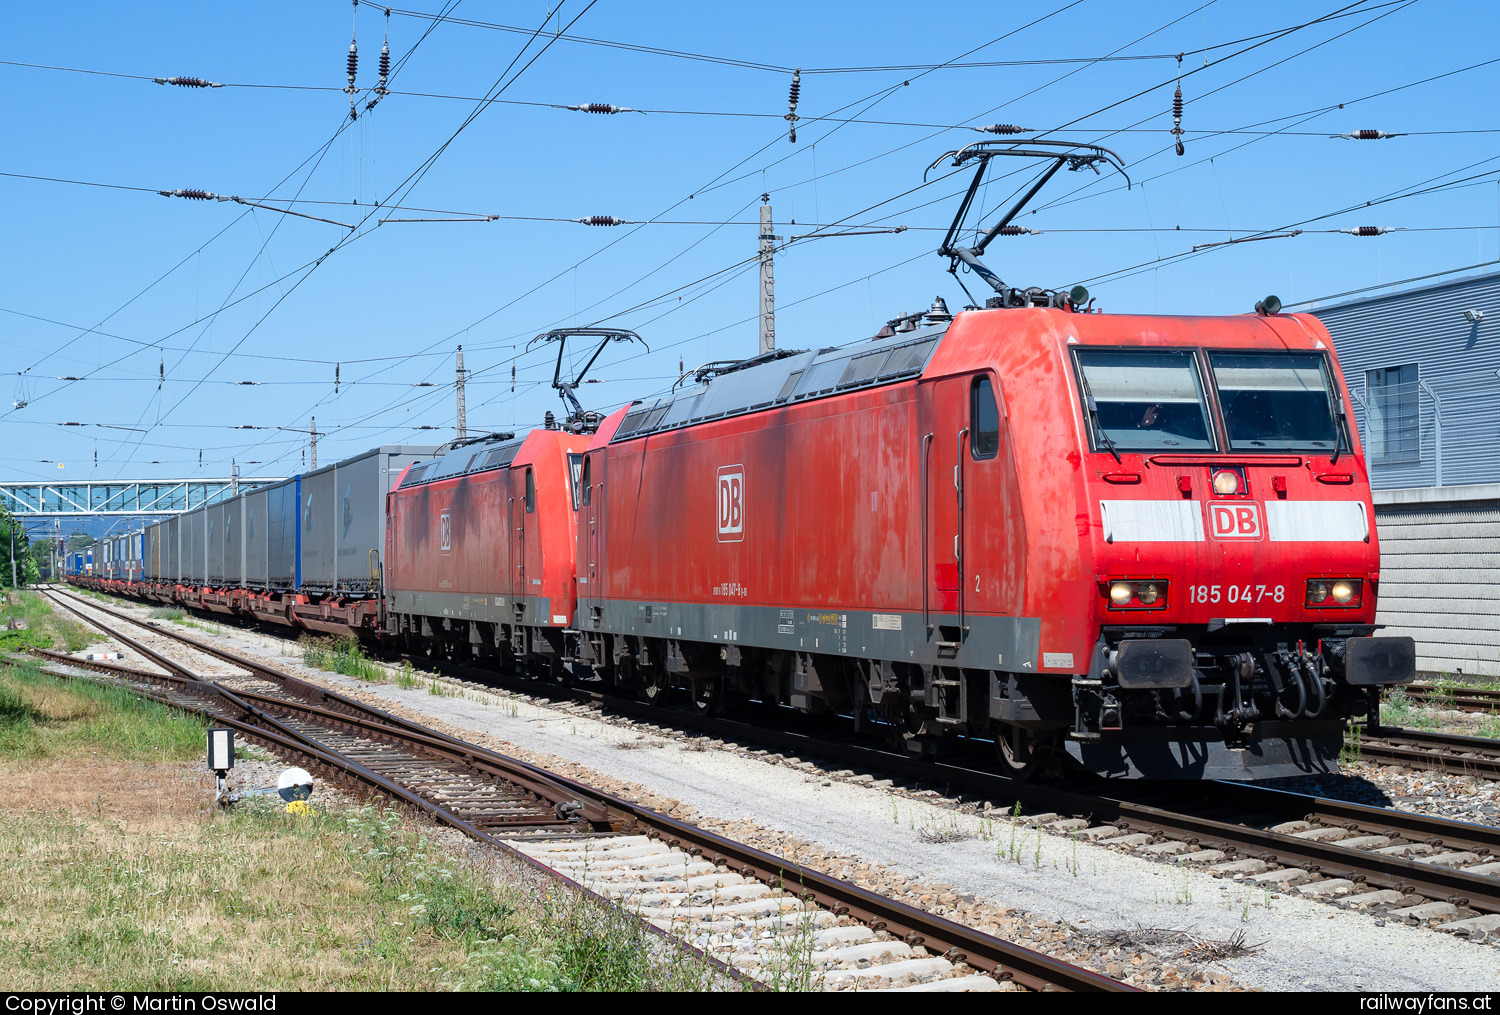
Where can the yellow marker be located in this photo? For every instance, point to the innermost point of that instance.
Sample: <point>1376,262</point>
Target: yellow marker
<point>299,807</point>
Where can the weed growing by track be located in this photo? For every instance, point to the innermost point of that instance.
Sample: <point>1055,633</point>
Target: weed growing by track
<point>1489,726</point>
<point>1398,710</point>
<point>42,628</point>
<point>344,655</point>
<point>172,613</point>
<point>44,717</point>
<point>406,678</point>
<point>1353,748</point>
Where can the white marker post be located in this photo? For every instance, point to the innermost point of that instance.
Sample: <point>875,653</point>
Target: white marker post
<point>220,761</point>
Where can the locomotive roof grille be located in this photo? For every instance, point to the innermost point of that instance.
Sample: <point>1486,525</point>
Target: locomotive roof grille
<point>797,378</point>
<point>462,462</point>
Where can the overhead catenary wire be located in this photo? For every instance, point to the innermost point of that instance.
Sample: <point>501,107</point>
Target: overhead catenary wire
<point>544,283</point>
<point>917,227</point>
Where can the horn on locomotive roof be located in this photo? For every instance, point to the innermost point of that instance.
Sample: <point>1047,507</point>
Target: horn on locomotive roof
<point>1074,155</point>
<point>580,421</point>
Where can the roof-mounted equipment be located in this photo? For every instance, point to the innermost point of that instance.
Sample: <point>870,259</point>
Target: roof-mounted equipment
<point>718,367</point>
<point>1062,153</point>
<point>579,420</point>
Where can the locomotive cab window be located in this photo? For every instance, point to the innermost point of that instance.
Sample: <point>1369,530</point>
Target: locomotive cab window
<point>575,468</point>
<point>1278,401</point>
<point>1143,400</point>
<point>984,419</point>
<point>586,491</point>
<point>530,491</point>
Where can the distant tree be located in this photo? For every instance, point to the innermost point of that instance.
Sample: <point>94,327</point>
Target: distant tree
<point>24,570</point>
<point>41,556</point>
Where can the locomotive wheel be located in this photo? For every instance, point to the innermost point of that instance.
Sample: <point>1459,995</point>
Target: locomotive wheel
<point>1017,752</point>
<point>655,687</point>
<point>708,697</point>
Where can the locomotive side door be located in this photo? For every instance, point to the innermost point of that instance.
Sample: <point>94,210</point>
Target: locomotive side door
<point>588,511</point>
<point>529,553</point>
<point>515,518</point>
<point>943,407</point>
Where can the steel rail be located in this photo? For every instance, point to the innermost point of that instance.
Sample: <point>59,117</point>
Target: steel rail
<point>1463,699</point>
<point>1445,884</point>
<point>497,765</point>
<point>1449,752</point>
<point>304,689</point>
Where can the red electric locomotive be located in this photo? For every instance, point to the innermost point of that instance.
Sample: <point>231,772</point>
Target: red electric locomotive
<point>1145,543</point>
<point>479,550</point>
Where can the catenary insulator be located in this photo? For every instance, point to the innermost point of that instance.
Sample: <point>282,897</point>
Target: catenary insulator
<point>1369,230</point>
<point>600,220</point>
<point>186,82</point>
<point>1018,231</point>
<point>601,107</point>
<point>1003,128</point>
<point>1366,135</point>
<point>1177,119</point>
<point>353,66</point>
<point>195,195</point>
<point>792,95</point>
<point>385,66</point>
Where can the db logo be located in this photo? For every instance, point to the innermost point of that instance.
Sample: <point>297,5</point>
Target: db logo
<point>731,503</point>
<point>1234,521</point>
<point>445,530</point>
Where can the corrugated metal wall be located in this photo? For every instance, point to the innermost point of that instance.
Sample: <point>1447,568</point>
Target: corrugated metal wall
<point>1440,574</point>
<point>1458,362</point>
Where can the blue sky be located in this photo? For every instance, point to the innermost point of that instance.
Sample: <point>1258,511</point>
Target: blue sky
<point>164,306</point>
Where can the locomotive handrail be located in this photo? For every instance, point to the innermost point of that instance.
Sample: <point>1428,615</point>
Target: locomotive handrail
<point>958,540</point>
<point>926,619</point>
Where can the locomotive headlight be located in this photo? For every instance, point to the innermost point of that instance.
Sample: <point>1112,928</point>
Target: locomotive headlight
<point>1226,482</point>
<point>1334,592</point>
<point>1121,593</point>
<point>1147,593</point>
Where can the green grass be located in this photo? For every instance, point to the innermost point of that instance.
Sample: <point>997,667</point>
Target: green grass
<point>173,613</point>
<point>344,655</point>
<point>44,717</point>
<point>134,882</point>
<point>42,628</point>
<point>333,901</point>
<point>1489,726</point>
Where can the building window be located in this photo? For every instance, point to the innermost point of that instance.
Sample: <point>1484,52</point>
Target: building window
<point>1393,426</point>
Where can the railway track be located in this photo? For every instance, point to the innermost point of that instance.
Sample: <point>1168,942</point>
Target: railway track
<point>754,913</point>
<point>1463,698</point>
<point>1447,752</point>
<point>1394,864</point>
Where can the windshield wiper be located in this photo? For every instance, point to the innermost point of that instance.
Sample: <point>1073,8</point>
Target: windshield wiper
<point>1338,432</point>
<point>1093,408</point>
